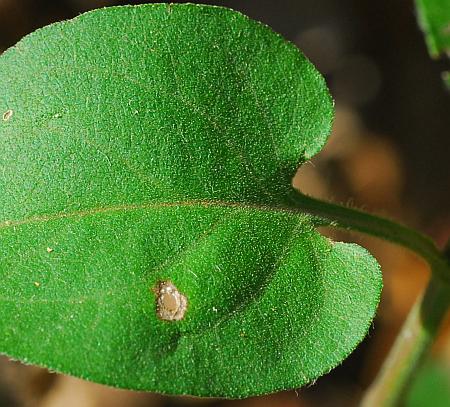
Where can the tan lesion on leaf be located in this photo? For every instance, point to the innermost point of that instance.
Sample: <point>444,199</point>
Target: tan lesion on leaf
<point>7,115</point>
<point>171,305</point>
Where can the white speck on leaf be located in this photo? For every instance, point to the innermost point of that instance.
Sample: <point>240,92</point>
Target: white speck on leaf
<point>49,249</point>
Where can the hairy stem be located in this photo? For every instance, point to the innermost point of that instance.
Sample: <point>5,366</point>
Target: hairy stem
<point>422,325</point>
<point>354,219</point>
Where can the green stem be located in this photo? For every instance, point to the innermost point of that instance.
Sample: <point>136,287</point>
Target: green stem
<point>354,219</point>
<point>422,325</point>
<point>414,340</point>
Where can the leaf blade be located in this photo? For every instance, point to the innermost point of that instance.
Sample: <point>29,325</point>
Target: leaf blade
<point>152,162</point>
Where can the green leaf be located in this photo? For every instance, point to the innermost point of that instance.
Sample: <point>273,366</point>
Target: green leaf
<point>434,18</point>
<point>431,386</point>
<point>151,148</point>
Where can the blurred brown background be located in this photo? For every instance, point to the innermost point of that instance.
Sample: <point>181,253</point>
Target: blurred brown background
<point>388,153</point>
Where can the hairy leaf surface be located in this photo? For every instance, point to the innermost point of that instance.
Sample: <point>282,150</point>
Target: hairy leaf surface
<point>156,144</point>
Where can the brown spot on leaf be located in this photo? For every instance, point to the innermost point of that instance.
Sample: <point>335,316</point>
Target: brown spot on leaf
<point>7,115</point>
<point>171,305</point>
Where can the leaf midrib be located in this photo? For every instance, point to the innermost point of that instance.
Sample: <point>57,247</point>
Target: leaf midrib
<point>6,224</point>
